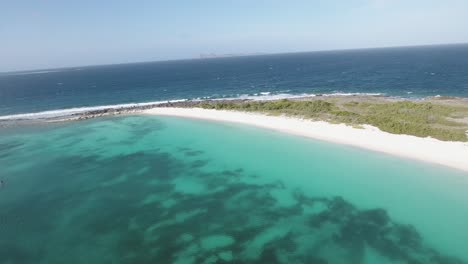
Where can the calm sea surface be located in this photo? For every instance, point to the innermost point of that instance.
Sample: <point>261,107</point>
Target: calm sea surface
<point>143,189</point>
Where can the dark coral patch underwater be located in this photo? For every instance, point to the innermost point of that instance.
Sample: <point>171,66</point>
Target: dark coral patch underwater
<point>102,205</point>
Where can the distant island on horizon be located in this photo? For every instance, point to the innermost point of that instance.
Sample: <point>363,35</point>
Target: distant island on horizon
<point>212,55</point>
<point>227,55</point>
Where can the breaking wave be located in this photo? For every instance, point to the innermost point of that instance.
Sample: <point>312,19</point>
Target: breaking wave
<point>260,96</point>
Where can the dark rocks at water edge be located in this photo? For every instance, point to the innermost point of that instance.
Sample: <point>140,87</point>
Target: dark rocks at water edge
<point>110,112</point>
<point>183,104</point>
<point>134,109</point>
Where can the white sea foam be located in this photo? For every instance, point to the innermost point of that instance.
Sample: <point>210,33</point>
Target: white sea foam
<point>269,96</point>
<point>265,96</point>
<point>262,96</point>
<point>76,110</point>
<point>352,94</point>
<point>32,72</point>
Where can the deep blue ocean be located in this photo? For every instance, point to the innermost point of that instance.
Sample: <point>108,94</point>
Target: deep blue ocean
<point>414,72</point>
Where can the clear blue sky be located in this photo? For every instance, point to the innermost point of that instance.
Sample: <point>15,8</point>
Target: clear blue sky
<point>57,33</point>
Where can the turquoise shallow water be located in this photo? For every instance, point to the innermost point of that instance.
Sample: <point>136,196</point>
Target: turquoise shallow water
<point>142,189</point>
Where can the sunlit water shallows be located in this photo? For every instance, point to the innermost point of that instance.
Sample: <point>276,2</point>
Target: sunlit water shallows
<point>144,189</point>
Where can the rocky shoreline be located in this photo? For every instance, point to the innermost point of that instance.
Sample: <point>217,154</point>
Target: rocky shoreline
<point>135,109</point>
<point>106,112</point>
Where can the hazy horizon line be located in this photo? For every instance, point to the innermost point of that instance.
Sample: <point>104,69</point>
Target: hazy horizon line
<point>230,55</point>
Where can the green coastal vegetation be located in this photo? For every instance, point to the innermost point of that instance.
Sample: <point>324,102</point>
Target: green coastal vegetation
<point>439,119</point>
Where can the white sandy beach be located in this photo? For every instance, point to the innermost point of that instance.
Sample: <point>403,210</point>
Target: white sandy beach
<point>451,154</point>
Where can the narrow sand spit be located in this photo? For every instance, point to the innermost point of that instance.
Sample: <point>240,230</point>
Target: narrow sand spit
<point>451,154</point>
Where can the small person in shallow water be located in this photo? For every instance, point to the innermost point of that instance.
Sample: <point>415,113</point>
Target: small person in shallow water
<point>2,183</point>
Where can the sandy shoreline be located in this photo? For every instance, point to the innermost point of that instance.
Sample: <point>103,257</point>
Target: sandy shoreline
<point>451,154</point>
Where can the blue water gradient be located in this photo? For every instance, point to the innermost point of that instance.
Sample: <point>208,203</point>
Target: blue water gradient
<point>408,72</point>
<point>140,189</point>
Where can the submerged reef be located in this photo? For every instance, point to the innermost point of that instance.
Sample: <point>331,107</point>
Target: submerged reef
<point>175,206</point>
<point>149,219</point>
